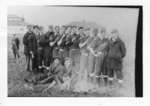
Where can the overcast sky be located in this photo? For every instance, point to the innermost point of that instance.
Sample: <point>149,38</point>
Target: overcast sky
<point>108,17</point>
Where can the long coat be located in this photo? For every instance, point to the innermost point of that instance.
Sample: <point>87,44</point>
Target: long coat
<point>116,52</point>
<point>26,42</point>
<point>32,43</point>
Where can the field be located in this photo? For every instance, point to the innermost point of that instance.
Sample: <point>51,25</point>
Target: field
<point>18,88</point>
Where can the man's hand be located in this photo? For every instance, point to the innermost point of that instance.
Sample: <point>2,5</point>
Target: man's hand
<point>80,45</point>
<point>38,40</point>
<point>93,53</point>
<point>98,54</point>
<point>51,43</point>
<point>32,56</point>
<point>61,50</point>
<point>91,50</point>
<point>58,43</point>
<point>73,39</point>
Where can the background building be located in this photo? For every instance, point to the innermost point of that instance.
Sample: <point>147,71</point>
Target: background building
<point>16,25</point>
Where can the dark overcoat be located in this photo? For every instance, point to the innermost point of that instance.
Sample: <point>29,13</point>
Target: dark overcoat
<point>33,44</point>
<point>116,53</point>
<point>26,42</point>
<point>46,49</point>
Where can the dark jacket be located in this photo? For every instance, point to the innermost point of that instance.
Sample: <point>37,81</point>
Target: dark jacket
<point>26,42</point>
<point>75,41</point>
<point>117,49</point>
<point>33,43</point>
<point>25,38</point>
<point>116,52</point>
<point>55,38</point>
<point>68,41</point>
<point>45,39</point>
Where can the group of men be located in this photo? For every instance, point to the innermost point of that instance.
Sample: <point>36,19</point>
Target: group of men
<point>51,51</point>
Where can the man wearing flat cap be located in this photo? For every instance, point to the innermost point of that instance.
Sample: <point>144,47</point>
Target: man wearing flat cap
<point>26,45</point>
<point>114,60</point>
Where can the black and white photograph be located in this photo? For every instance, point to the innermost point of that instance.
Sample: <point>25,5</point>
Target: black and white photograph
<point>73,51</point>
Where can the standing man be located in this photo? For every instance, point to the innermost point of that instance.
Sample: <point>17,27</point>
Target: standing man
<point>61,44</point>
<point>94,33</point>
<point>54,40</point>
<point>40,49</point>
<point>114,60</point>
<point>26,46</point>
<point>67,41</point>
<point>98,49</point>
<point>47,49</point>
<point>33,45</point>
<point>75,40</point>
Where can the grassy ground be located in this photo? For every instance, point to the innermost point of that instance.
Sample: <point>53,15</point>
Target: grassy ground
<point>17,87</point>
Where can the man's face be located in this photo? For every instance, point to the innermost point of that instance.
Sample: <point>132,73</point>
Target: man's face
<point>68,30</point>
<point>62,30</point>
<point>114,36</point>
<point>67,63</point>
<point>90,33</point>
<point>76,31</point>
<point>30,29</point>
<point>56,61</point>
<point>95,32</point>
<point>81,31</point>
<point>56,29</point>
<point>36,31</point>
<point>101,35</point>
<point>72,31</point>
<point>87,32</point>
<point>50,29</point>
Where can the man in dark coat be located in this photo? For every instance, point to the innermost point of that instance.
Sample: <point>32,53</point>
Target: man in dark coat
<point>26,46</point>
<point>116,53</point>
<point>47,49</point>
<point>33,46</point>
<point>40,49</point>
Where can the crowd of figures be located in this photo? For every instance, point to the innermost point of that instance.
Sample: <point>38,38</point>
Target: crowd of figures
<point>74,58</point>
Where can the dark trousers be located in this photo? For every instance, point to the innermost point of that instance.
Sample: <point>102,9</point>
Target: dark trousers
<point>40,56</point>
<point>47,56</point>
<point>28,60</point>
<point>16,53</point>
<point>34,62</point>
<point>118,73</point>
